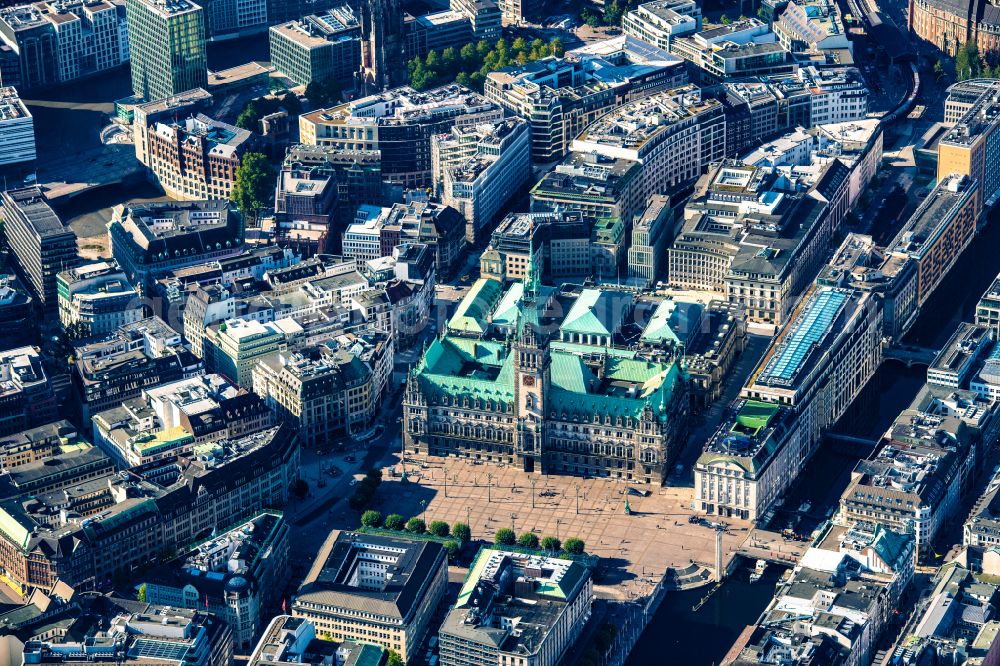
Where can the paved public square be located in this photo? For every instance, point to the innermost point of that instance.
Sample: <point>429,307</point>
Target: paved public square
<point>635,549</point>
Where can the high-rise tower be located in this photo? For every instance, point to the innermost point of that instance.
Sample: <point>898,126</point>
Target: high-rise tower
<point>167,47</point>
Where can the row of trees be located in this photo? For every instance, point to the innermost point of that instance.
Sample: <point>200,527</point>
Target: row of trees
<point>506,537</point>
<point>970,64</point>
<point>469,65</point>
<point>459,532</point>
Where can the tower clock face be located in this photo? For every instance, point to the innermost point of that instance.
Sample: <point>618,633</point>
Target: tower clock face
<point>528,380</point>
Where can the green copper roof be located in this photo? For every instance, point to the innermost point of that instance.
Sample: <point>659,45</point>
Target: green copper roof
<point>577,348</point>
<point>596,312</point>
<point>658,329</point>
<point>569,373</point>
<point>754,416</point>
<point>467,368</point>
<point>889,545</point>
<point>471,315</point>
<point>560,589</point>
<point>628,386</point>
<point>509,309</point>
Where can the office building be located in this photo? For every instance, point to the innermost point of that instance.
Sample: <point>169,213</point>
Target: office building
<point>988,307</point>
<point>377,231</point>
<point>26,393</point>
<point>937,233</point>
<point>817,365</point>
<point>480,185</point>
<point>516,12</point>
<point>233,347</point>
<point>149,240</point>
<point>812,26</point>
<point>49,43</point>
<point>195,158</point>
<point>237,575</point>
<point>176,418</point>
<point>607,193</point>
<point>652,232</point>
<point>659,21</point>
<point>18,323</point>
<point>374,589</point>
<point>436,31</point>
<point>355,176</point>
<point>156,636</point>
<point>837,602</point>
<point>166,46</point>
<point>757,235</point>
<point>562,96</point>
<point>169,110</point>
<point>39,243</point>
<point>674,135</point>
<point>328,391</point>
<point>915,482</point>
<point>138,519</point>
<point>485,17</point>
<point>400,124</point>
<point>95,299</point>
<point>971,147</point>
<point>523,405</point>
<point>319,47</point>
<point>955,363</point>
<point>139,355</point>
<point>17,132</point>
<point>742,49</point>
<point>712,342</point>
<point>516,608</point>
<point>558,243</point>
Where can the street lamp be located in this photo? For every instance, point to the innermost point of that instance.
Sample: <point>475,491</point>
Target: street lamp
<point>423,508</point>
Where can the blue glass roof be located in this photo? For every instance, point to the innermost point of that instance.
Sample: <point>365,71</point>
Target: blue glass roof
<point>808,329</point>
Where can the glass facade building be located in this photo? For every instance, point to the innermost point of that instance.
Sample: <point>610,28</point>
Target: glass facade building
<point>167,46</point>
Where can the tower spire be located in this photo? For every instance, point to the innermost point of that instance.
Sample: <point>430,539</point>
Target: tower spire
<point>531,282</point>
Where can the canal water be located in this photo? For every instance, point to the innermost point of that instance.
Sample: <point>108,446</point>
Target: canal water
<point>678,635</point>
<point>703,638</point>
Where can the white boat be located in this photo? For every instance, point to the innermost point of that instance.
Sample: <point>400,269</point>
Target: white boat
<point>758,571</point>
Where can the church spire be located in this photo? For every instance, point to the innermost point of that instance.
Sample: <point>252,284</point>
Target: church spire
<point>531,281</point>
